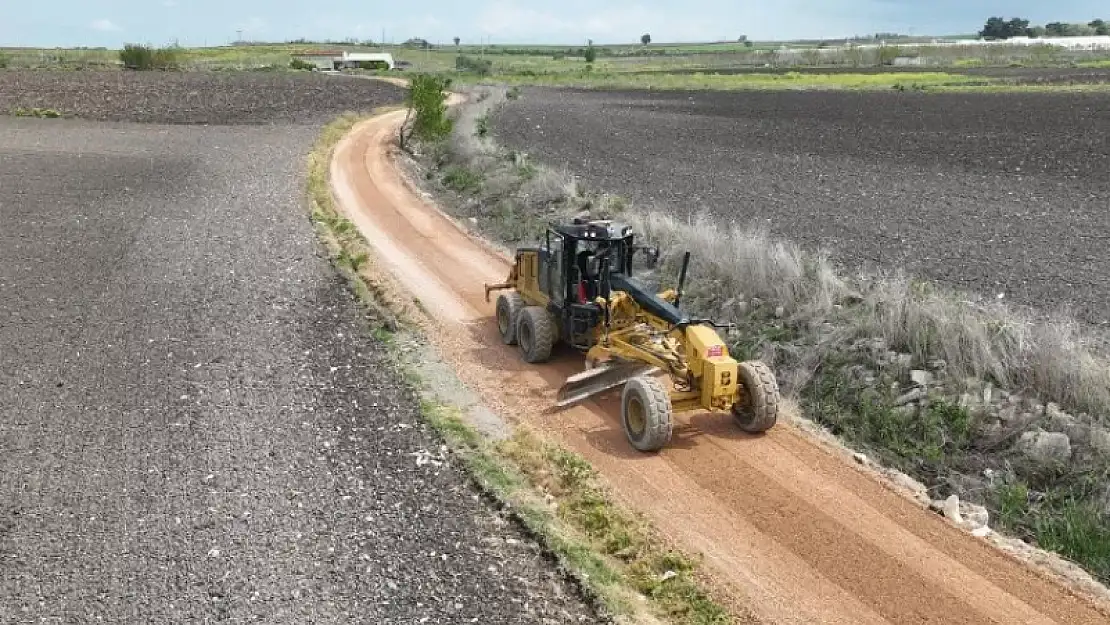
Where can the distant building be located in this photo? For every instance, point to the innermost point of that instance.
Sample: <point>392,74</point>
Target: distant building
<point>331,60</point>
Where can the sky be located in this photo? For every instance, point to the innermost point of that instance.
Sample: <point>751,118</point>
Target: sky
<point>112,23</point>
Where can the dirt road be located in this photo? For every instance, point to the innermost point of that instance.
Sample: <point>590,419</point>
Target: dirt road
<point>792,532</point>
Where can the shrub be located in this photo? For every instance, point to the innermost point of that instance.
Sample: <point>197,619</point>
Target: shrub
<point>298,64</point>
<point>427,102</point>
<point>3,61</point>
<point>146,58</point>
<point>482,67</point>
<point>590,54</point>
<point>462,179</point>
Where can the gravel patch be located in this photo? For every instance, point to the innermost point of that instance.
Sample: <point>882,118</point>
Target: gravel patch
<point>196,425</point>
<point>194,97</point>
<point>1004,194</point>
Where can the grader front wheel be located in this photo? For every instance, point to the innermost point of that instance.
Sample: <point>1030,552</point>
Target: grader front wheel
<point>758,411</point>
<point>646,413</point>
<point>535,334</point>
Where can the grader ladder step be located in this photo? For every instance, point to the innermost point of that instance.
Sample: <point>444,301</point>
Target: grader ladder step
<point>594,381</point>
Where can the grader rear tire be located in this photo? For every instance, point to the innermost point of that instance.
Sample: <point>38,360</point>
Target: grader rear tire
<point>760,408</point>
<point>646,413</point>
<point>509,306</point>
<point>535,334</point>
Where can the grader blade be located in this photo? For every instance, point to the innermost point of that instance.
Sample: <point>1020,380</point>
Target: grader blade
<point>593,381</point>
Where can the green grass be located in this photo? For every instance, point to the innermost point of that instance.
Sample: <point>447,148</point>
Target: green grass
<point>1071,525</point>
<point>36,112</point>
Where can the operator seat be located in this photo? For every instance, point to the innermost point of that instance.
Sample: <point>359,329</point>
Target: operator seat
<point>587,286</point>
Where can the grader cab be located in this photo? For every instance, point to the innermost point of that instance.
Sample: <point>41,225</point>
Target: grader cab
<point>577,288</point>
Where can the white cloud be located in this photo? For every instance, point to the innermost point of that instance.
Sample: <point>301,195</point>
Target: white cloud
<point>104,24</point>
<point>513,20</point>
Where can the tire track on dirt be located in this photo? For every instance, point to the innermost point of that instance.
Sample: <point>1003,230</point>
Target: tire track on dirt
<point>788,529</point>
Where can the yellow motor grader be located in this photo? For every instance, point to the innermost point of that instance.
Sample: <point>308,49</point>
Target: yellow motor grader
<point>576,287</point>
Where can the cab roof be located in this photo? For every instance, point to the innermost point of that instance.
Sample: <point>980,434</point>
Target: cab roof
<point>594,230</point>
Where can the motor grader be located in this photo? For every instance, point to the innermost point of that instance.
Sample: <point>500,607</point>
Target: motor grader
<point>576,288</point>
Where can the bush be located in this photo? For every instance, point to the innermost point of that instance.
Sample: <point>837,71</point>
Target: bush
<point>590,54</point>
<point>146,58</point>
<point>482,67</point>
<point>298,64</point>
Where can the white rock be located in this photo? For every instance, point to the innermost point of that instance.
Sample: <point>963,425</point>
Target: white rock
<point>921,378</point>
<point>974,515</point>
<point>860,458</point>
<point>981,532</point>
<point>951,509</point>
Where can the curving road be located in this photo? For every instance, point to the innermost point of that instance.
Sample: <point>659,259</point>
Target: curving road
<point>196,425</point>
<point>791,532</point>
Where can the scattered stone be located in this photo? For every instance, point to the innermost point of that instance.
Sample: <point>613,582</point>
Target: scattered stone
<point>937,365</point>
<point>1045,448</point>
<point>912,396</point>
<point>861,459</point>
<point>919,490</point>
<point>1007,414</point>
<point>974,516</point>
<point>1100,440</point>
<point>987,393</point>
<point>780,312</point>
<point>921,378</point>
<point>904,360</point>
<point>981,532</point>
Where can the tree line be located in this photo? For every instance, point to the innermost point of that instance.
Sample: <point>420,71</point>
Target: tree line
<point>1002,28</point>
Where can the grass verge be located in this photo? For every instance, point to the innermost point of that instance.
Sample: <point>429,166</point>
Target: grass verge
<point>729,82</point>
<point>964,394</point>
<point>555,494</point>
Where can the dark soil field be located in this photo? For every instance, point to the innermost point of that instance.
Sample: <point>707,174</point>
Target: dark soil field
<point>1012,75</point>
<point>197,424</point>
<point>193,98</point>
<point>996,193</point>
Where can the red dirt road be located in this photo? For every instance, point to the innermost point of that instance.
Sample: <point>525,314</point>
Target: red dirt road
<point>792,532</point>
